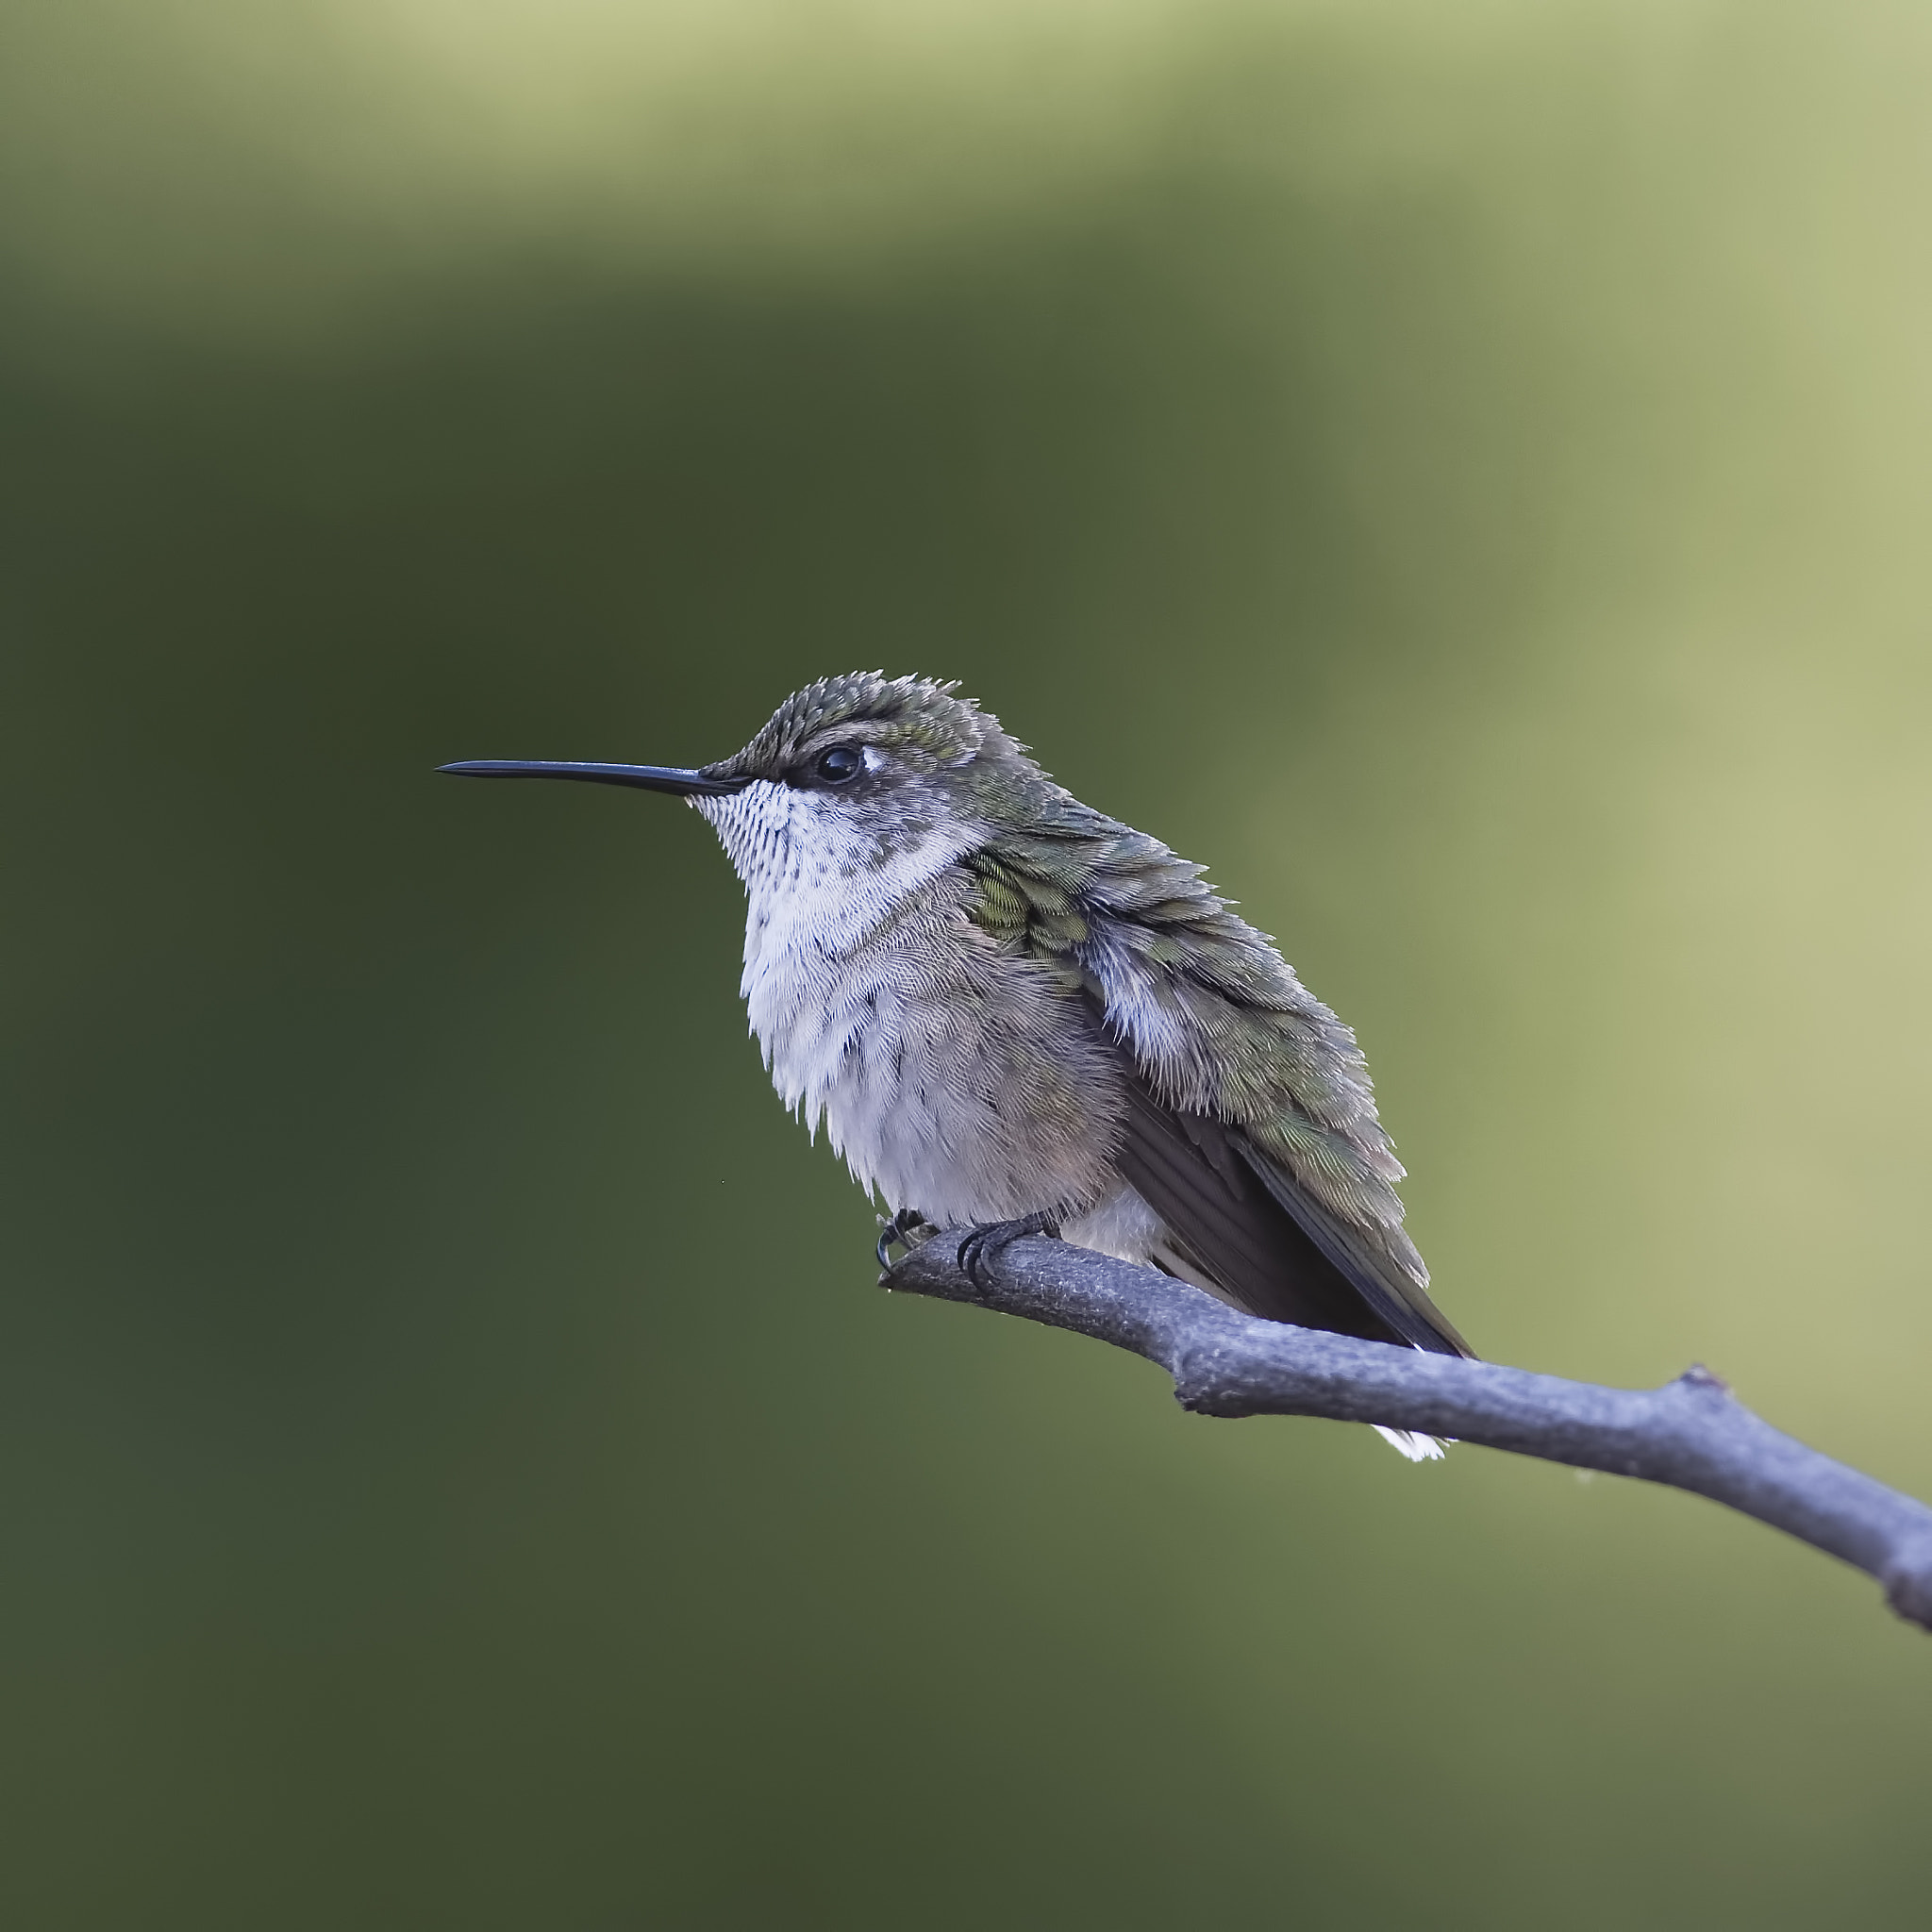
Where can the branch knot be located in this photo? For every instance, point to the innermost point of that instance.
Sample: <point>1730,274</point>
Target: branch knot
<point>1698,1377</point>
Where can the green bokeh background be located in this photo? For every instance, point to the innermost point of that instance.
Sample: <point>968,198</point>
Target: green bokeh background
<point>1464,474</point>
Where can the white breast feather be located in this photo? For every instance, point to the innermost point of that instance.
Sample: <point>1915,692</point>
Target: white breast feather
<point>952,1073</point>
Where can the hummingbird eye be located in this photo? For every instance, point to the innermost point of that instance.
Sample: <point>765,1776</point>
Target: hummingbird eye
<point>839,764</point>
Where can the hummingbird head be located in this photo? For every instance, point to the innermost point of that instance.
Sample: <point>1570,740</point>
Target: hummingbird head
<point>860,777</point>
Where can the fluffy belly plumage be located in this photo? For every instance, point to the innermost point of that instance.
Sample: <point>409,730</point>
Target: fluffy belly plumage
<point>953,1076</point>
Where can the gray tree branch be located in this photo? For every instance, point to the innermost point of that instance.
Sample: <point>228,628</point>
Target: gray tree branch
<point>1690,1434</point>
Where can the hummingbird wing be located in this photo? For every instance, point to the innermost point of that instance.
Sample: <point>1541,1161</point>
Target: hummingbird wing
<point>1241,1225</point>
<point>1251,1126</point>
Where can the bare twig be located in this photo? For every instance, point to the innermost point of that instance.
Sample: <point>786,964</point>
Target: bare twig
<point>1690,1434</point>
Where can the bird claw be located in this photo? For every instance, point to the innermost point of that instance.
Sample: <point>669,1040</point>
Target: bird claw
<point>901,1231</point>
<point>991,1238</point>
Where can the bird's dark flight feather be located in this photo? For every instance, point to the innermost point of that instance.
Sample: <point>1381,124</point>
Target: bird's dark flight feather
<point>1240,1220</point>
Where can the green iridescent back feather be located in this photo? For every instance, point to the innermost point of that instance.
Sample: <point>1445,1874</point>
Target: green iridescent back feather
<point>1217,1020</point>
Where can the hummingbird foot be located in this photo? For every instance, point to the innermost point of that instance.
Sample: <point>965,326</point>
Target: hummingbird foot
<point>901,1231</point>
<point>987,1241</point>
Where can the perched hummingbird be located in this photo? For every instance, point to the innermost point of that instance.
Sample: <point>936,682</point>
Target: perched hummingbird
<point>1011,1011</point>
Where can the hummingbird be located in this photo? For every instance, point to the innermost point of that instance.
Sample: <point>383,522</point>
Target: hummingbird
<point>1014,1014</point>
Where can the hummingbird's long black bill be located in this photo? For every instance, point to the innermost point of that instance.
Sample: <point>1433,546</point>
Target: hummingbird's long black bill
<point>644,777</point>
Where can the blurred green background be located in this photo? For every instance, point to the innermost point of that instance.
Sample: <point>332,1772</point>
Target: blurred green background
<point>1465,473</point>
